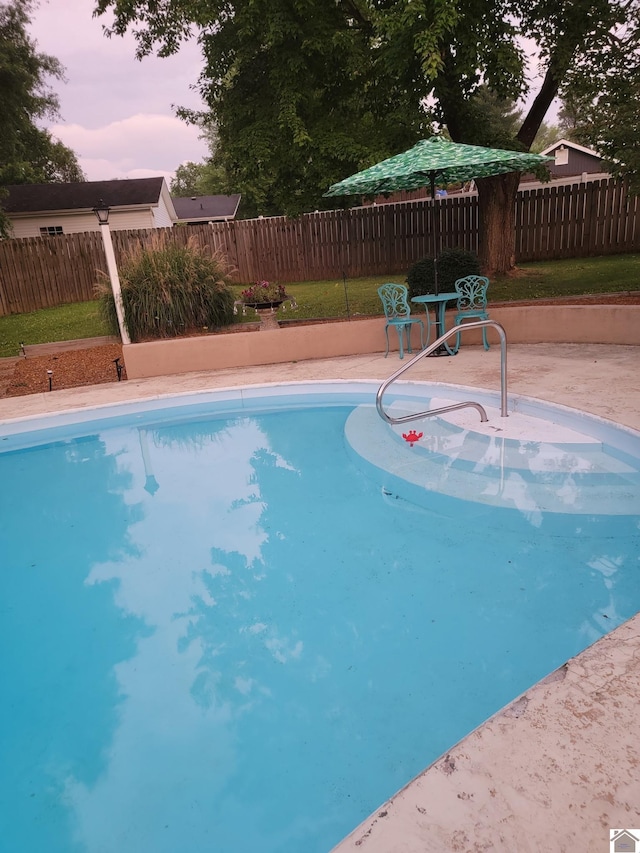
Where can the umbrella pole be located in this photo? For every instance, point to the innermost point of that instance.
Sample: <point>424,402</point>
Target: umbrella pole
<point>434,239</point>
<point>435,227</point>
<point>435,230</point>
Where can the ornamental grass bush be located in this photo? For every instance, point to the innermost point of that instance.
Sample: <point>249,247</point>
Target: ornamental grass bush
<point>452,265</point>
<point>170,290</point>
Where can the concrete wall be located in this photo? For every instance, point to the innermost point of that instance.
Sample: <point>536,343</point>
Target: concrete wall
<point>606,324</point>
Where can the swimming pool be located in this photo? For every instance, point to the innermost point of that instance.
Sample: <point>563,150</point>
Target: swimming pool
<point>239,621</point>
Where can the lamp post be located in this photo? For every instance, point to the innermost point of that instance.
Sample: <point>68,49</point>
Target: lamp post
<point>101,210</point>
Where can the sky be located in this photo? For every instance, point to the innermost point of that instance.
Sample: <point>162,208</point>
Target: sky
<point>117,113</point>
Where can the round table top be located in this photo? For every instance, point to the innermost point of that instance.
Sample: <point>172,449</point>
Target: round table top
<point>433,297</point>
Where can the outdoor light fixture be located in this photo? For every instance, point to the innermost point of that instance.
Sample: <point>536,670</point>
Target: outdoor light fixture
<point>101,210</point>
<point>50,377</point>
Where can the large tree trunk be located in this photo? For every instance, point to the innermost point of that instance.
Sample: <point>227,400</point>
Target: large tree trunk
<point>497,222</point>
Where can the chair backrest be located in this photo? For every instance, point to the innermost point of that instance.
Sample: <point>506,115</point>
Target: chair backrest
<point>472,293</point>
<point>394,300</point>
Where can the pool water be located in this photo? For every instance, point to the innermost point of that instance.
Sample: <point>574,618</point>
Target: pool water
<point>220,633</point>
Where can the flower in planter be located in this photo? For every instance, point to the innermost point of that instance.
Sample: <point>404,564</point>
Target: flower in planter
<point>263,292</point>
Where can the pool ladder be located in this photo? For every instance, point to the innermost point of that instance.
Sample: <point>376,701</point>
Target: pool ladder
<point>455,330</point>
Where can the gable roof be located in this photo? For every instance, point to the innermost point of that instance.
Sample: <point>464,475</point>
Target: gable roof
<point>25,198</point>
<point>568,144</point>
<point>206,207</point>
<point>623,833</point>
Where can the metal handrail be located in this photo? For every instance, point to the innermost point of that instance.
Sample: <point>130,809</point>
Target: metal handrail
<point>455,330</point>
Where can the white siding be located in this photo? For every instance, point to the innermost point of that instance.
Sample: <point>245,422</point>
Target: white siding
<point>29,226</point>
<point>130,219</point>
<point>164,214</point>
<point>76,223</point>
<point>161,216</point>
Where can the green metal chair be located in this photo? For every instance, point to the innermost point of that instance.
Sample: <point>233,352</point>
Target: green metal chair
<point>394,298</point>
<point>471,304</point>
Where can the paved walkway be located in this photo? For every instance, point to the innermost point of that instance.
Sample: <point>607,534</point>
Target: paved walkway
<point>601,379</point>
<point>558,768</point>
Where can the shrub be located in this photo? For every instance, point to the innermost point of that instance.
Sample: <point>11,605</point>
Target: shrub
<point>168,290</point>
<point>420,278</point>
<point>452,265</point>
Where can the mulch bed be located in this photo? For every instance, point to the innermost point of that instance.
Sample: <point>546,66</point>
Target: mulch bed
<point>70,369</point>
<point>96,365</point>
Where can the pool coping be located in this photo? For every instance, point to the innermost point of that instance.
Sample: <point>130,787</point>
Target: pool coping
<point>556,767</point>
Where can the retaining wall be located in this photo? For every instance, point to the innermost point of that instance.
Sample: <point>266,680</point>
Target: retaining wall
<point>599,324</point>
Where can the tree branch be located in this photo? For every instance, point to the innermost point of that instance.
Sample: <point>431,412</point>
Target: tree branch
<point>539,108</point>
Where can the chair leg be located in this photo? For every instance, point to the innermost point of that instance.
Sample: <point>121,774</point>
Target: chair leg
<point>407,331</point>
<point>400,331</point>
<point>386,331</point>
<point>485,342</point>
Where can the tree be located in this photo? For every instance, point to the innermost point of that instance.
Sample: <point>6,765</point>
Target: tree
<point>296,89</point>
<point>57,164</point>
<point>464,44</point>
<point>611,124</point>
<point>569,119</point>
<point>609,119</point>
<point>206,178</point>
<point>192,179</point>
<point>186,181</point>
<point>546,136</point>
<point>306,92</point>
<point>28,154</point>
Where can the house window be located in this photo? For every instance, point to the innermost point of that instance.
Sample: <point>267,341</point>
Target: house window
<point>51,230</point>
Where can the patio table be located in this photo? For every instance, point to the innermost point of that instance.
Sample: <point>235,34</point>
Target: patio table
<point>439,302</point>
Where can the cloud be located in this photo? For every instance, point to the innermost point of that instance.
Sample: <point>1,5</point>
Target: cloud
<point>141,145</point>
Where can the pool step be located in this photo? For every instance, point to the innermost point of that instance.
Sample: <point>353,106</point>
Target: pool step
<point>520,462</point>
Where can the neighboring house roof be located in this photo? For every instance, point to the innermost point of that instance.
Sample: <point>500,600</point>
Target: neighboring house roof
<point>566,143</point>
<point>206,208</point>
<point>28,198</point>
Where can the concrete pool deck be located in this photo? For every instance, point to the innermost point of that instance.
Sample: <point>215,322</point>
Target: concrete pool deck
<point>559,767</point>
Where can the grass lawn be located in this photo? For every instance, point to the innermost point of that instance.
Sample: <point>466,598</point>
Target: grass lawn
<point>534,281</point>
<point>321,299</point>
<point>63,323</point>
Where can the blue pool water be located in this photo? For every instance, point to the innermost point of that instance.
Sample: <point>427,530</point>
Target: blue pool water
<point>222,632</point>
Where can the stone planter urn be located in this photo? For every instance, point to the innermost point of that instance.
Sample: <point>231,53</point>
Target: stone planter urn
<point>267,313</point>
<point>265,299</point>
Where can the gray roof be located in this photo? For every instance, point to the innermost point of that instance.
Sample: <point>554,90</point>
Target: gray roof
<point>567,143</point>
<point>24,198</point>
<point>206,207</point>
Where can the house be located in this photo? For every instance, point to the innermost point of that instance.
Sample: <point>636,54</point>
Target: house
<point>573,159</point>
<point>206,208</point>
<point>624,842</point>
<point>37,210</point>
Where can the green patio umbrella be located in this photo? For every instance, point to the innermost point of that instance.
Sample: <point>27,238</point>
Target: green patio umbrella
<point>435,161</point>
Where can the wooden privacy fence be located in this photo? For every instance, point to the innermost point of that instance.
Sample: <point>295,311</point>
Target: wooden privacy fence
<point>41,272</point>
<point>577,220</point>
